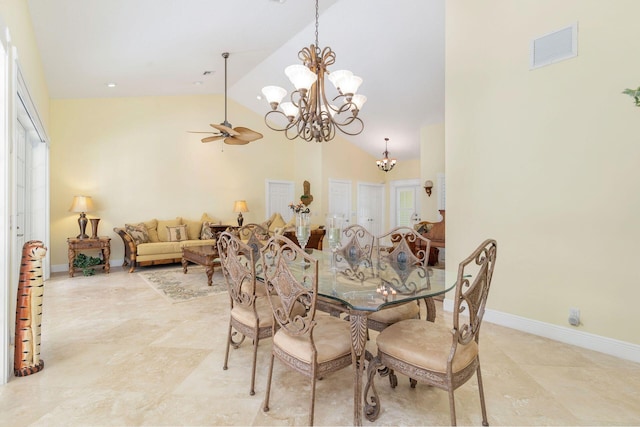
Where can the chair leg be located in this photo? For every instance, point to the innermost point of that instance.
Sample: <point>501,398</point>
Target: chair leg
<point>452,406</point>
<point>253,367</point>
<point>313,397</point>
<point>265,406</point>
<point>226,355</point>
<point>482,404</point>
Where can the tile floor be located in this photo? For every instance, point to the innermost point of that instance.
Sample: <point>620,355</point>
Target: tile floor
<point>118,354</point>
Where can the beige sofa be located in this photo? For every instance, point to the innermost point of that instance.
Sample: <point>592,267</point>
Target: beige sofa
<point>156,241</point>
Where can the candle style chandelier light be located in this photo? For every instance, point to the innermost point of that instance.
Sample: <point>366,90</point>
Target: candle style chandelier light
<point>386,164</point>
<point>310,114</point>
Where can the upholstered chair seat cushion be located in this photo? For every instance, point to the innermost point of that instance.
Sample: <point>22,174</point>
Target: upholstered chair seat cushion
<point>331,335</point>
<point>245,314</point>
<point>396,313</point>
<point>425,344</point>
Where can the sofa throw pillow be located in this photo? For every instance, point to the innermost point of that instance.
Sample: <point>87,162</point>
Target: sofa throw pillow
<point>194,228</point>
<point>177,233</point>
<point>207,233</point>
<point>138,232</point>
<point>162,227</point>
<point>206,218</point>
<point>277,222</point>
<point>152,229</point>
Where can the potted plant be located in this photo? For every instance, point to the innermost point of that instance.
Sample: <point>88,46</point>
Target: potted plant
<point>86,263</point>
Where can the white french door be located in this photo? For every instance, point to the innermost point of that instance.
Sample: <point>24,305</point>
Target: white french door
<point>278,196</point>
<point>405,206</point>
<point>340,199</point>
<point>371,207</point>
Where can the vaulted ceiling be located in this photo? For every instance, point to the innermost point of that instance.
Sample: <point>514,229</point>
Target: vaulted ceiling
<point>164,47</point>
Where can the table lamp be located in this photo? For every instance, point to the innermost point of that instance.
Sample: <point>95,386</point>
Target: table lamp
<point>82,204</point>
<point>240,206</point>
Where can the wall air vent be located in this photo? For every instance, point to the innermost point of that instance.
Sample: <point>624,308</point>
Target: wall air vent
<point>554,47</point>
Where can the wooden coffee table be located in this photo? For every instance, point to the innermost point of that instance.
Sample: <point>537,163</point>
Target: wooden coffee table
<point>206,256</point>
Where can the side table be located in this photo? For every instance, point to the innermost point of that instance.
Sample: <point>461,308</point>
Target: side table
<point>103,244</point>
<point>219,228</point>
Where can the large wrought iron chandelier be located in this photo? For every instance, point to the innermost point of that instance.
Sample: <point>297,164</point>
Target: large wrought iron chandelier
<point>386,164</point>
<point>310,115</point>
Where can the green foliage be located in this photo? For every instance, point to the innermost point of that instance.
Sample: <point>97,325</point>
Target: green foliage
<point>85,263</point>
<point>635,93</point>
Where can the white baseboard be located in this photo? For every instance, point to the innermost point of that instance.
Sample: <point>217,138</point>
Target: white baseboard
<point>613,347</point>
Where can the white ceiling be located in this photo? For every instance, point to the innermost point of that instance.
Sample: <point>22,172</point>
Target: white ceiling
<point>161,47</point>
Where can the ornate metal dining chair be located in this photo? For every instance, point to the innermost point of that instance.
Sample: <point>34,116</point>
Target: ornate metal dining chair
<point>402,251</point>
<point>435,353</point>
<point>358,247</point>
<point>250,313</point>
<point>255,236</point>
<point>310,343</point>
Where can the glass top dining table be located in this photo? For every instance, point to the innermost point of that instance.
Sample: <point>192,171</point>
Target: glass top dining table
<point>360,288</point>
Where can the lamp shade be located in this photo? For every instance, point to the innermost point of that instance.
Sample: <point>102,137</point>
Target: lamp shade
<point>274,94</point>
<point>240,206</point>
<point>300,76</point>
<point>81,204</point>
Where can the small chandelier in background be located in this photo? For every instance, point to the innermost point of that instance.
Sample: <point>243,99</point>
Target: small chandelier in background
<point>386,164</point>
<point>310,114</point>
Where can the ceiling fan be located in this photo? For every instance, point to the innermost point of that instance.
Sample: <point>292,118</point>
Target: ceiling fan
<point>232,136</point>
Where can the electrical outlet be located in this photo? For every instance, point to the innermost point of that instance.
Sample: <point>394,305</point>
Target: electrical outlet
<point>574,316</point>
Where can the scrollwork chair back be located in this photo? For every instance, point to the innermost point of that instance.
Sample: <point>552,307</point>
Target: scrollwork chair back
<point>250,314</point>
<point>310,343</point>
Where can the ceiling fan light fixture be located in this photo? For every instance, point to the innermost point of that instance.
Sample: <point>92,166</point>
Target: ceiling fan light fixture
<point>232,136</point>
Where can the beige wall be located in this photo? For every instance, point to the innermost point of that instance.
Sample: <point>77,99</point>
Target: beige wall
<point>136,159</point>
<point>431,163</point>
<point>15,14</point>
<point>546,161</point>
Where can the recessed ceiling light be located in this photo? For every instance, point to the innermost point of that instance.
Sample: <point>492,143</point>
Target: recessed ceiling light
<point>259,97</point>
<point>198,83</point>
<point>279,1</point>
<point>111,85</point>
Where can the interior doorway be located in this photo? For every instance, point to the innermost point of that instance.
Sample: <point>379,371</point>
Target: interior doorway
<point>405,203</point>
<point>371,207</point>
<point>278,196</point>
<point>340,199</point>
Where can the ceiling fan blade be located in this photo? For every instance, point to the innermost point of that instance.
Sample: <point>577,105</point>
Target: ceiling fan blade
<point>225,129</point>
<point>232,140</point>
<point>212,138</point>
<point>247,134</point>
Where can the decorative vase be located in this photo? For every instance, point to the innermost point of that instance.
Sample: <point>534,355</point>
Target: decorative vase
<point>303,228</point>
<point>334,230</point>
<point>94,227</point>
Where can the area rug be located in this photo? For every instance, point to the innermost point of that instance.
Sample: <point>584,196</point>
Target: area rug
<point>177,287</point>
